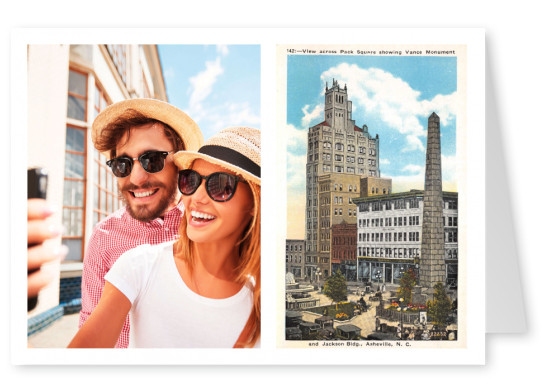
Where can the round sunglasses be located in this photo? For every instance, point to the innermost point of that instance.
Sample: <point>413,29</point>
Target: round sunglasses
<point>151,161</point>
<point>220,186</point>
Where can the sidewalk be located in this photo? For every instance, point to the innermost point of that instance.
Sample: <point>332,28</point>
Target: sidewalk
<point>56,335</point>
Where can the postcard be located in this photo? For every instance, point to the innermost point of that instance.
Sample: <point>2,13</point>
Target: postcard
<point>377,253</point>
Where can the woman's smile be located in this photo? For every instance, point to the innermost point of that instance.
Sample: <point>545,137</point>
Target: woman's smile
<point>198,218</point>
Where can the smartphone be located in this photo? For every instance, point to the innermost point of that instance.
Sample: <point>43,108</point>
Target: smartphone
<point>37,186</point>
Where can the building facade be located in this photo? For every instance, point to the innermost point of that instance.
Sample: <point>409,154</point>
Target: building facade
<point>390,233</point>
<point>338,154</point>
<point>344,249</point>
<point>294,257</point>
<point>370,186</point>
<point>68,85</point>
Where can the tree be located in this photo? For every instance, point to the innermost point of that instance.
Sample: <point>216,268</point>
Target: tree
<point>407,282</point>
<point>440,308</point>
<point>335,287</point>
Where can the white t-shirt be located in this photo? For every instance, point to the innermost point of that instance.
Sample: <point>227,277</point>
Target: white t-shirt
<point>165,313</point>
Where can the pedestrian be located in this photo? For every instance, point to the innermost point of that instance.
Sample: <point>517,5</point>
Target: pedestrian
<point>202,290</point>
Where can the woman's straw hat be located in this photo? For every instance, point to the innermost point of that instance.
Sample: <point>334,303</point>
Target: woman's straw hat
<point>236,149</point>
<point>182,124</point>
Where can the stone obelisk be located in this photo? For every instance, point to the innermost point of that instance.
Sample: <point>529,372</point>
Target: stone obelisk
<point>432,265</point>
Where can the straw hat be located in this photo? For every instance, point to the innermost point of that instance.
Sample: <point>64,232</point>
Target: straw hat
<point>236,149</point>
<point>184,126</point>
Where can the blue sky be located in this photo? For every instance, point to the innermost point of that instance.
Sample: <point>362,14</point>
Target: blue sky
<point>392,95</point>
<point>216,85</point>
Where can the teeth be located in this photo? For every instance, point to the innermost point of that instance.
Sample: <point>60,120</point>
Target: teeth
<point>144,194</point>
<point>199,215</point>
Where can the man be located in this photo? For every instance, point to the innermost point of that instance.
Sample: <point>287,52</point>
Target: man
<point>140,136</point>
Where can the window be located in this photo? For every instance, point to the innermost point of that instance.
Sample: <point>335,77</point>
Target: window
<point>78,90</point>
<point>105,186</point>
<point>74,188</point>
<point>118,55</point>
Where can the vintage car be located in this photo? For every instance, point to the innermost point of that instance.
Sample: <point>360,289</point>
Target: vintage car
<point>292,318</point>
<point>327,331</point>
<point>309,330</point>
<point>293,333</point>
<point>347,331</point>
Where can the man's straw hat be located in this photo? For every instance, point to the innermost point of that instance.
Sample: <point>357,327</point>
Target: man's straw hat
<point>236,149</point>
<point>184,126</point>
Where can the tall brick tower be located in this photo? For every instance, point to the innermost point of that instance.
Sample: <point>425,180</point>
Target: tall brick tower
<point>432,266</point>
<point>339,154</point>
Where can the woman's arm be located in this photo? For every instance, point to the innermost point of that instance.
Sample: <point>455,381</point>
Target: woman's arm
<point>103,327</point>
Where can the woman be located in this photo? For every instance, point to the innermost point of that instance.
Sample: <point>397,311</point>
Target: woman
<point>204,289</point>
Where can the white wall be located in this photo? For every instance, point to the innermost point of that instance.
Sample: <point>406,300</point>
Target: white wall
<point>47,113</point>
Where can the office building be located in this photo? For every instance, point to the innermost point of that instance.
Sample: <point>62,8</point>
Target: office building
<point>339,153</point>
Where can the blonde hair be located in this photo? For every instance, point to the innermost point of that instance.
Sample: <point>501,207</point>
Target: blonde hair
<point>247,270</point>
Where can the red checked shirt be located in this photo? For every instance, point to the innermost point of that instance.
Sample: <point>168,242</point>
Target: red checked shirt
<point>110,238</point>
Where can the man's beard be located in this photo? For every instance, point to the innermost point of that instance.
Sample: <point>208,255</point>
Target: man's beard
<point>146,213</point>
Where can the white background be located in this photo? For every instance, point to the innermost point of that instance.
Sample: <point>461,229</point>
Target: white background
<point>518,79</point>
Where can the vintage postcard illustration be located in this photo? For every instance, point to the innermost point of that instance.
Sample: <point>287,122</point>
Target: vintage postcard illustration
<point>373,252</point>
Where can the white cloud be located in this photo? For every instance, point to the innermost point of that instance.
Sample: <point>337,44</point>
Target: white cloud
<point>296,167</point>
<point>413,143</point>
<point>413,168</point>
<point>202,83</point>
<point>296,157</point>
<point>232,114</point>
<point>296,137</point>
<point>216,118</point>
<point>384,161</point>
<point>169,73</point>
<point>222,49</point>
<point>382,94</point>
<point>417,178</point>
<point>316,113</point>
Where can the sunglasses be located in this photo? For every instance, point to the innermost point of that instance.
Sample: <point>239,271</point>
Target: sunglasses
<point>220,186</point>
<point>152,162</point>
